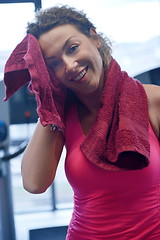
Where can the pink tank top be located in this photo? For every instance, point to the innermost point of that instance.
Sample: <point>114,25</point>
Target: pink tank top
<point>118,205</point>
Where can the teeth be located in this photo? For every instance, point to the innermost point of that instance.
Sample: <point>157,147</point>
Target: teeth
<point>80,75</point>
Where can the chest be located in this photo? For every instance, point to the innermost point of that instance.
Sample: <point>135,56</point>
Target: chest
<point>85,177</point>
<point>86,118</point>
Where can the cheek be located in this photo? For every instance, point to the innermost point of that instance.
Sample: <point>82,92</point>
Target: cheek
<point>60,74</point>
<point>98,61</point>
<point>95,55</point>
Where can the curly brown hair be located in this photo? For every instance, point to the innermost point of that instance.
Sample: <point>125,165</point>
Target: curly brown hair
<point>47,19</point>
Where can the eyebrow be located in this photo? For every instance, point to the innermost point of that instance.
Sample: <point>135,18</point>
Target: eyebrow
<point>64,46</point>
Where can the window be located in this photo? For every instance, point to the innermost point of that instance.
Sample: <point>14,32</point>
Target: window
<point>12,27</point>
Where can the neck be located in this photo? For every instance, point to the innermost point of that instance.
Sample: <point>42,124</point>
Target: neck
<point>91,101</point>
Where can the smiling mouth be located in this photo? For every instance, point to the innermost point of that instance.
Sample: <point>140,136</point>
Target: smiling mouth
<point>80,76</point>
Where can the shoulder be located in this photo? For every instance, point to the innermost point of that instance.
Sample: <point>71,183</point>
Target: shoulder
<point>153,95</point>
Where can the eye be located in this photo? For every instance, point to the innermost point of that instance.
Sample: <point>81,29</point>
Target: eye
<point>73,48</point>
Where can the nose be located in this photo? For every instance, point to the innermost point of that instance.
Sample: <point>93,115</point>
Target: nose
<point>70,65</point>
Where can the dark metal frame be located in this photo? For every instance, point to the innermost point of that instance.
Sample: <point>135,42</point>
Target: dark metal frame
<point>37,3</point>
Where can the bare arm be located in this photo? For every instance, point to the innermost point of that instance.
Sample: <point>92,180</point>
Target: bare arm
<point>40,159</point>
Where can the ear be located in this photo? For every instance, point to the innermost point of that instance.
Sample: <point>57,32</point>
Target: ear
<point>95,37</point>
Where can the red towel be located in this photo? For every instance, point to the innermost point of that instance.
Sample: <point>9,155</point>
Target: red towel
<point>26,65</point>
<point>119,136</point>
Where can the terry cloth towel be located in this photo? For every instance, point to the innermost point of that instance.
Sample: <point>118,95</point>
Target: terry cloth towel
<point>118,139</point>
<point>26,65</point>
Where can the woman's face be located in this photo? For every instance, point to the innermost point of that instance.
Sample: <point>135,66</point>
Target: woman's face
<point>74,58</point>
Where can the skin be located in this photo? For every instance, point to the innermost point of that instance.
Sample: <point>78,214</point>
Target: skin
<point>77,64</point>
<point>153,94</point>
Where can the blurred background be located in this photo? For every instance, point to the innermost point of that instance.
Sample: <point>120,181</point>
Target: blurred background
<point>133,28</point>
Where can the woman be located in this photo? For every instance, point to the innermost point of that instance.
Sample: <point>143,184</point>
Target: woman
<point>122,200</point>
